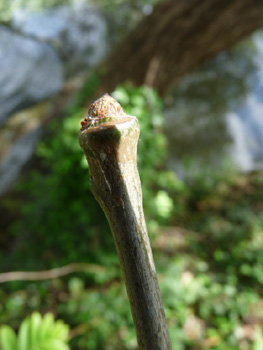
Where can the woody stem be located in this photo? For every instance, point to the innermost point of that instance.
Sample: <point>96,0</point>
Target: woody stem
<point>111,151</point>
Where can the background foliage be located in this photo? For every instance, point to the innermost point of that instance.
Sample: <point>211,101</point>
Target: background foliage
<point>36,333</point>
<point>206,230</point>
<point>206,236</point>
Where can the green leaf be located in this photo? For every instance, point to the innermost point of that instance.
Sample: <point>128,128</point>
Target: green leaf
<point>37,333</point>
<point>23,336</point>
<point>34,329</point>
<point>54,344</point>
<point>7,338</point>
<point>60,330</point>
<point>46,327</point>
<point>258,343</point>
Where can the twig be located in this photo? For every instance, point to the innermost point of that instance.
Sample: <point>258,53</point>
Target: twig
<point>49,274</point>
<point>109,140</point>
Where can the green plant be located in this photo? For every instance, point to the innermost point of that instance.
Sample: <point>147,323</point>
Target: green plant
<point>62,213</point>
<point>36,333</point>
<point>258,343</point>
<point>210,265</point>
<point>159,185</point>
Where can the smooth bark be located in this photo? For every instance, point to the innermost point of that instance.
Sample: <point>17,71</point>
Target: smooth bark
<point>110,145</point>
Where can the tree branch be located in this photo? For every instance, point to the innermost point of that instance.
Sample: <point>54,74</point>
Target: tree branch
<point>50,274</point>
<point>109,140</point>
<point>177,37</point>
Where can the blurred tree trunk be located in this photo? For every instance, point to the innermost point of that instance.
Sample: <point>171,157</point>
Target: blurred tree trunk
<point>178,36</point>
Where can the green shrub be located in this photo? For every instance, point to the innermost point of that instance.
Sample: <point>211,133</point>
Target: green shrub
<point>258,343</point>
<point>212,277</point>
<point>61,222</point>
<point>36,333</point>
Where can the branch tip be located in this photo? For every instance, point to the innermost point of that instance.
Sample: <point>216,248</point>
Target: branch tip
<point>104,109</point>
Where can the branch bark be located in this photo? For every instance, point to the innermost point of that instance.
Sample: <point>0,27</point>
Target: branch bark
<point>49,274</point>
<point>177,37</point>
<point>109,140</point>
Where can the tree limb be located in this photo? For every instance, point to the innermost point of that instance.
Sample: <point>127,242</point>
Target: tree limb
<point>50,274</point>
<point>177,37</point>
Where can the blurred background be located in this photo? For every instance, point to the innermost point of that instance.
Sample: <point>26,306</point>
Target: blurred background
<point>192,73</point>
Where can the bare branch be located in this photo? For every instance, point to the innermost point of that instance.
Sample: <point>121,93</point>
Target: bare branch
<point>50,274</point>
